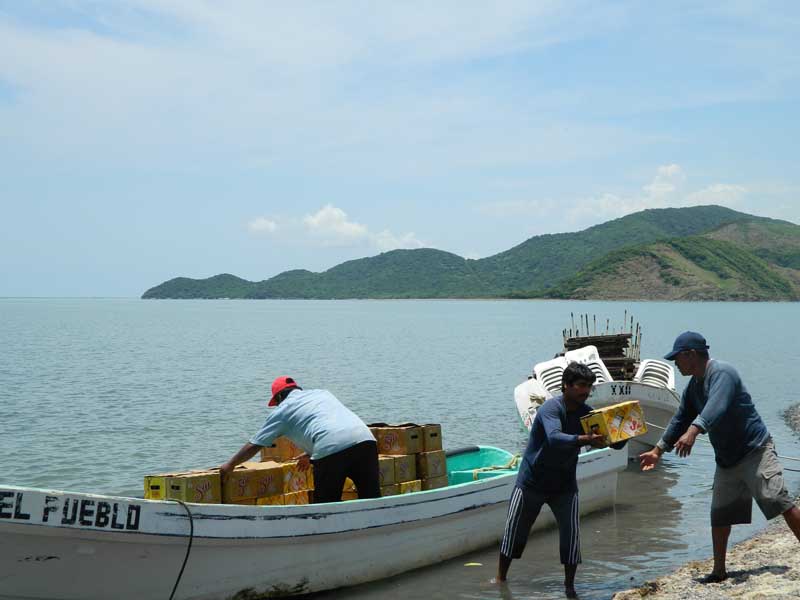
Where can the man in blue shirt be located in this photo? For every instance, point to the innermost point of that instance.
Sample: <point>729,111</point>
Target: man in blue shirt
<point>547,474</point>
<point>716,402</point>
<point>334,439</point>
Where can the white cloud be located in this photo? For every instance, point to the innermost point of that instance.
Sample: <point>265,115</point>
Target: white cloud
<point>667,189</point>
<point>720,193</point>
<point>386,240</point>
<point>332,224</point>
<point>667,181</point>
<point>262,225</point>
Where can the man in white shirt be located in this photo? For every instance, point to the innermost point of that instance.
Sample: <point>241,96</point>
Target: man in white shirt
<point>336,440</point>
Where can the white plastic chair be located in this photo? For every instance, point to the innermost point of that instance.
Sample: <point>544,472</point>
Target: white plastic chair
<point>589,356</point>
<point>549,373</point>
<point>656,372</point>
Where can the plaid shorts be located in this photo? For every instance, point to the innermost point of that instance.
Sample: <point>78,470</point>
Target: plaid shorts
<point>757,476</point>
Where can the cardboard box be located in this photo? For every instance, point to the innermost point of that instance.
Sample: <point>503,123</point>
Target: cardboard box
<point>348,486</point>
<point>431,437</point>
<point>616,423</point>
<point>201,487</point>
<point>390,490</point>
<point>192,486</point>
<point>268,479</point>
<point>431,464</point>
<point>155,487</point>
<point>405,468</point>
<point>282,449</point>
<point>246,501</point>
<point>270,500</point>
<point>253,480</point>
<point>407,487</point>
<point>296,480</point>
<point>386,469</point>
<point>349,495</point>
<point>296,498</point>
<point>397,439</point>
<point>434,483</point>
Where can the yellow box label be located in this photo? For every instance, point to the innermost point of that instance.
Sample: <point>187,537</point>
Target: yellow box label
<point>296,498</point>
<point>407,487</point>
<point>270,501</point>
<point>616,423</point>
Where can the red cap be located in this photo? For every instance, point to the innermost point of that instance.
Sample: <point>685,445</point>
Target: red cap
<point>280,384</point>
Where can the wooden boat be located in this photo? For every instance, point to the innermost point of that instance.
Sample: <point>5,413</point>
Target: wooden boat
<point>65,545</point>
<point>614,358</point>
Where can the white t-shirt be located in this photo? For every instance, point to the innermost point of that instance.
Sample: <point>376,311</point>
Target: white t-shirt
<point>315,421</point>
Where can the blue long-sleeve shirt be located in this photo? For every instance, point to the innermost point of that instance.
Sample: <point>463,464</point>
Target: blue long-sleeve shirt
<point>719,404</point>
<point>551,457</point>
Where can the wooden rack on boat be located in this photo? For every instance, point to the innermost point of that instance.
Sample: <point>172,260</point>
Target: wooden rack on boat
<point>618,349</point>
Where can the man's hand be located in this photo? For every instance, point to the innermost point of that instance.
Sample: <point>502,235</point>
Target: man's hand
<point>303,462</point>
<point>683,447</point>
<point>595,440</point>
<point>225,470</point>
<point>648,460</point>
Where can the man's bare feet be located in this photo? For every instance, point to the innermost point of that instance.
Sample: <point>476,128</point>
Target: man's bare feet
<point>570,592</point>
<point>498,580</point>
<point>714,577</point>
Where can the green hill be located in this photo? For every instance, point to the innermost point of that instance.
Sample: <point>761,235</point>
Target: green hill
<point>704,252</point>
<point>543,261</point>
<point>691,268</point>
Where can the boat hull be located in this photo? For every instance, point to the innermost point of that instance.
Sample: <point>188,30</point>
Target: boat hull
<point>137,548</point>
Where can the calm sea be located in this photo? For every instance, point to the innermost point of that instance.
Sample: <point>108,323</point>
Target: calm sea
<point>95,393</point>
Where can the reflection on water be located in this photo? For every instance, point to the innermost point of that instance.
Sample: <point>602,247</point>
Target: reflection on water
<point>96,393</point>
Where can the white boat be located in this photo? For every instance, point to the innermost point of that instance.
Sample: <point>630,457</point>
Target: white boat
<point>65,545</point>
<point>653,386</point>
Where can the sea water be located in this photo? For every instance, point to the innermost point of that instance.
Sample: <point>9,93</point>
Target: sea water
<point>95,393</point>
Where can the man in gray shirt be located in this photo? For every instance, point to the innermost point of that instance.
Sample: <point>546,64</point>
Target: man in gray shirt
<point>716,402</point>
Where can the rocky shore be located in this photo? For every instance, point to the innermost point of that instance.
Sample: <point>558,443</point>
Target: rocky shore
<point>766,566</point>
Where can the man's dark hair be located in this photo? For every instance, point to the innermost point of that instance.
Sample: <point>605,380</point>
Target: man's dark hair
<point>702,354</point>
<point>281,396</point>
<point>576,372</point>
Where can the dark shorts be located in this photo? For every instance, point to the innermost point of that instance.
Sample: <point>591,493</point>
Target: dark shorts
<point>757,476</point>
<point>523,509</point>
<point>359,463</point>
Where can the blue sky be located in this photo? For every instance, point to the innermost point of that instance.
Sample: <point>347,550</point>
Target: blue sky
<point>142,140</point>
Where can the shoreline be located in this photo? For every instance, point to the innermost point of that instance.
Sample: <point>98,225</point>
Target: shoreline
<point>766,565</point>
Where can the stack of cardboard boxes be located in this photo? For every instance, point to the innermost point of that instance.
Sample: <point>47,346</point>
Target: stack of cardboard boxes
<point>410,459</point>
<point>275,480</point>
<point>250,483</point>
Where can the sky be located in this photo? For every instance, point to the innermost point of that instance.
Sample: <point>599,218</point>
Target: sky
<point>142,140</point>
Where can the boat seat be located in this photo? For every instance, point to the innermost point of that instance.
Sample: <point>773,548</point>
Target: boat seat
<point>549,373</point>
<point>589,356</point>
<point>656,372</point>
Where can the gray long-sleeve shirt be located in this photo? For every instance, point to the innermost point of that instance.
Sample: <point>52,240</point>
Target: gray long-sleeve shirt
<point>719,404</point>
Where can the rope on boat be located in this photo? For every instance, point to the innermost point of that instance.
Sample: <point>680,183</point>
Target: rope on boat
<point>512,464</point>
<point>188,547</point>
<point>704,440</point>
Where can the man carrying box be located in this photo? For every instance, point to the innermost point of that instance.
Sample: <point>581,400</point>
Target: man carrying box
<point>339,443</point>
<point>716,402</point>
<point>547,474</point>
